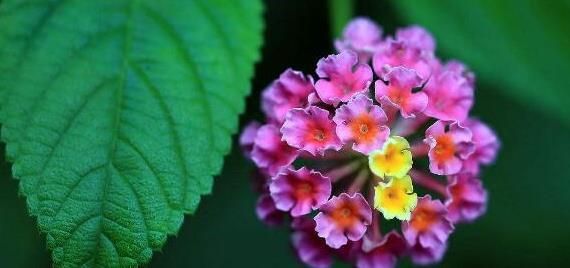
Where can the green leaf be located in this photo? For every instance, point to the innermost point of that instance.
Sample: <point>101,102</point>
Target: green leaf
<point>520,46</point>
<point>117,114</point>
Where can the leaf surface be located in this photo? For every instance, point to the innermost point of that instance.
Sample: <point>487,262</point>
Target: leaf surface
<point>117,113</point>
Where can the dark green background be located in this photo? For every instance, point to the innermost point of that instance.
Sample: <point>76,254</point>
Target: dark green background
<point>527,223</point>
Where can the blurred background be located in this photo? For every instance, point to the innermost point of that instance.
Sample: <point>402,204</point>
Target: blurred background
<point>520,53</point>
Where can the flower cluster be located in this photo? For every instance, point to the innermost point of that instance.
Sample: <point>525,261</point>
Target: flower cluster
<point>342,152</point>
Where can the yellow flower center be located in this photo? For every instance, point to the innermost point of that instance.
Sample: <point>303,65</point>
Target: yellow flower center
<point>395,199</point>
<point>393,159</point>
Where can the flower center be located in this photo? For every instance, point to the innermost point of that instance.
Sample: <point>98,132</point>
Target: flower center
<point>444,148</point>
<point>319,135</point>
<point>344,216</point>
<point>363,129</point>
<point>303,190</point>
<point>394,159</point>
<point>423,219</point>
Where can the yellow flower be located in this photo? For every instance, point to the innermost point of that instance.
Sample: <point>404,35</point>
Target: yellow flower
<point>396,198</point>
<point>393,159</point>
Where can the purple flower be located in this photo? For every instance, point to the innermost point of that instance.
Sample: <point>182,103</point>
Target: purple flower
<point>416,36</point>
<point>299,191</point>
<point>311,130</point>
<point>269,152</point>
<point>467,198</point>
<point>362,123</point>
<point>398,93</point>
<point>342,218</point>
<point>361,35</point>
<point>342,77</point>
<point>486,146</point>
<point>310,248</point>
<point>290,91</point>
<point>267,212</point>
<point>450,96</point>
<point>384,253</point>
<point>400,53</point>
<point>247,137</point>
<point>427,255</point>
<point>429,224</point>
<point>449,144</point>
<point>342,136</point>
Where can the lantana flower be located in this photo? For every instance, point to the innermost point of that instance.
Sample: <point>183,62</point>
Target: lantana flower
<point>363,123</point>
<point>342,77</point>
<point>361,35</point>
<point>393,159</point>
<point>342,218</point>
<point>429,226</point>
<point>299,191</point>
<point>396,199</point>
<point>467,199</point>
<point>449,145</point>
<point>311,130</point>
<point>289,91</point>
<point>398,92</point>
<point>340,158</point>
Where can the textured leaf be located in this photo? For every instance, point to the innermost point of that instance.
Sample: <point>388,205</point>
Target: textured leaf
<point>522,46</point>
<point>117,114</point>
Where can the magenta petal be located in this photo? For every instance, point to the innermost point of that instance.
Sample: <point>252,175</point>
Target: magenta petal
<point>429,225</point>
<point>299,191</point>
<point>427,255</point>
<point>290,91</point>
<point>467,198</point>
<point>383,253</point>
<point>397,53</point>
<point>359,112</point>
<point>361,35</point>
<point>450,96</point>
<point>448,148</point>
<point>342,77</point>
<point>247,137</point>
<point>311,130</point>
<point>267,212</point>
<point>486,145</point>
<point>269,152</point>
<point>398,92</point>
<point>336,232</point>
<point>310,248</point>
<point>416,36</point>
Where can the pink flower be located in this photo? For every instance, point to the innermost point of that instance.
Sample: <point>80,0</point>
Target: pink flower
<point>311,130</point>
<point>363,123</point>
<point>269,152</point>
<point>467,198</point>
<point>401,53</point>
<point>267,212</point>
<point>362,36</point>
<point>247,137</point>
<point>342,218</point>
<point>342,77</point>
<point>486,146</point>
<point>381,254</point>
<point>427,255</point>
<point>398,93</point>
<point>289,91</point>
<point>429,224</point>
<point>416,36</point>
<point>310,248</point>
<point>299,191</point>
<point>337,129</point>
<point>450,96</point>
<point>449,144</point>
<point>460,69</point>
